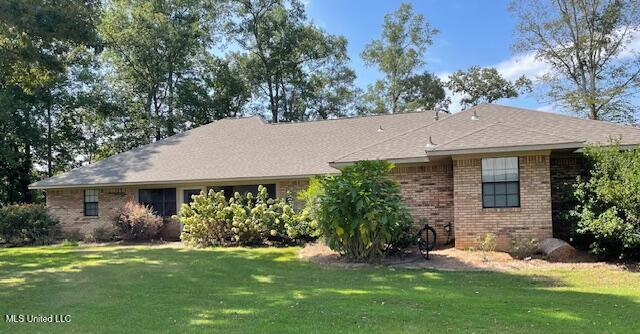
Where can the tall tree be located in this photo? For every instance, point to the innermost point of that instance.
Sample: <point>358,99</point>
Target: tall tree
<point>485,85</point>
<point>398,54</point>
<point>38,43</point>
<point>333,93</point>
<point>587,45</point>
<point>282,49</point>
<point>152,48</point>
<point>220,91</point>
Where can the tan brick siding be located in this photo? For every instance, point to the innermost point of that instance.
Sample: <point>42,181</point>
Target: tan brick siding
<point>68,206</point>
<point>292,187</point>
<point>531,220</point>
<point>428,192</point>
<point>441,192</point>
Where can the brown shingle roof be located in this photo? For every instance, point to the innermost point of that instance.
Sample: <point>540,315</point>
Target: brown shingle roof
<point>499,128</point>
<point>245,148</point>
<point>249,149</point>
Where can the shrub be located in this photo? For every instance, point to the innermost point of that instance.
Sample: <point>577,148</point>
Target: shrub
<point>522,248</point>
<point>137,222</point>
<point>609,201</point>
<point>487,243</point>
<point>361,212</point>
<point>306,218</point>
<point>102,234</point>
<point>212,220</point>
<point>22,224</point>
<point>73,235</point>
<point>69,243</point>
<point>303,226</point>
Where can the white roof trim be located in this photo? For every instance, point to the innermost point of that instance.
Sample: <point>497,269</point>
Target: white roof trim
<point>395,161</point>
<point>185,182</point>
<point>517,148</point>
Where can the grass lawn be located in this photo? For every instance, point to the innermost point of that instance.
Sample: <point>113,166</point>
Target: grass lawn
<point>137,289</point>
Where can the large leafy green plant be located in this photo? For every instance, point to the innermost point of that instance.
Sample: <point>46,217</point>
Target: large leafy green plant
<point>361,211</point>
<point>609,208</point>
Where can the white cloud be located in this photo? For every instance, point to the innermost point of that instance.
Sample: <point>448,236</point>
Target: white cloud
<point>520,65</point>
<point>527,65</point>
<point>634,46</point>
<point>455,105</point>
<point>511,69</point>
<point>547,108</point>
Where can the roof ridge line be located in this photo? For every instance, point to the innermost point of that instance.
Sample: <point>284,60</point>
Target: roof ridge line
<point>396,136</point>
<point>155,143</point>
<point>355,117</point>
<point>551,113</point>
<point>503,124</point>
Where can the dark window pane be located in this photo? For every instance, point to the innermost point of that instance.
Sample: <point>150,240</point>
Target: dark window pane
<point>91,202</point>
<point>244,189</point>
<point>488,189</point>
<point>271,190</point>
<point>91,209</point>
<point>188,193</point>
<point>500,186</point>
<point>512,188</point>
<point>162,201</point>
<point>169,202</point>
<point>488,202</point>
<point>513,200</point>
<point>228,190</point>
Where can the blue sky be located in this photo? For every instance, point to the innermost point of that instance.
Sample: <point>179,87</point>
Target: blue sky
<point>472,32</point>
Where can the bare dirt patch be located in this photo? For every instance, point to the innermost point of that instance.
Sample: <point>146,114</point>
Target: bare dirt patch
<point>454,259</point>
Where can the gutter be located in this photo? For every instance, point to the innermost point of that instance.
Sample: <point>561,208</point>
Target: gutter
<point>165,182</point>
<point>518,148</point>
<point>339,164</point>
<point>622,147</point>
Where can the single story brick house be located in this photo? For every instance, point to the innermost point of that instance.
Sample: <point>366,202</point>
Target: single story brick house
<point>488,169</point>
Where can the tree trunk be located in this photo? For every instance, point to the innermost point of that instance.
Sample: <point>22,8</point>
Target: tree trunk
<point>593,112</point>
<point>49,139</point>
<point>25,173</point>
<point>170,117</point>
<point>556,249</point>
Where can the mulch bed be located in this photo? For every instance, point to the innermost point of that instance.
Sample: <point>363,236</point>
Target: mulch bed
<point>454,259</point>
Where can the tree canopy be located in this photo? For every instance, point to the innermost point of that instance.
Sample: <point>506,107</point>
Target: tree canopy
<point>83,80</point>
<point>485,85</point>
<point>586,44</point>
<point>398,54</point>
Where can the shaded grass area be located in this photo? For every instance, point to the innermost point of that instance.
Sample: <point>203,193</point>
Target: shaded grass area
<point>151,289</point>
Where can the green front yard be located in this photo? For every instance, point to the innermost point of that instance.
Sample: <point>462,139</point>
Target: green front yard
<point>135,289</point>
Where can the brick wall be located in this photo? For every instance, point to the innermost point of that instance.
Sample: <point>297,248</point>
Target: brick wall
<point>293,187</point>
<point>428,192</point>
<point>441,192</point>
<point>68,206</point>
<point>564,170</point>
<point>531,220</point>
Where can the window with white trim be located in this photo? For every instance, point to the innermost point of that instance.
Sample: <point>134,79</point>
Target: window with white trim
<point>91,202</point>
<point>500,183</point>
